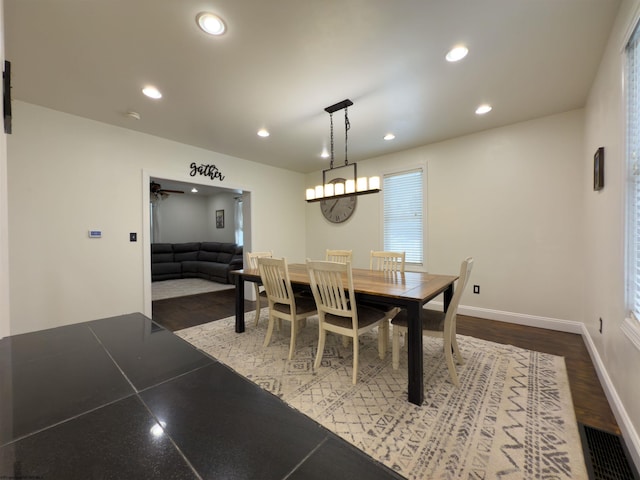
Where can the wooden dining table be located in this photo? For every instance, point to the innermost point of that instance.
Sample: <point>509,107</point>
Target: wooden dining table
<point>409,290</point>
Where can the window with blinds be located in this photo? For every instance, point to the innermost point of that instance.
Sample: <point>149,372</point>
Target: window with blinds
<point>633,173</point>
<point>403,214</point>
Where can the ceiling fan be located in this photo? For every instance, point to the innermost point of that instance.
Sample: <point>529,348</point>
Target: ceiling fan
<point>160,193</point>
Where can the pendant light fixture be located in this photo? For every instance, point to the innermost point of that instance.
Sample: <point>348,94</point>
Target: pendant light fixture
<point>352,184</point>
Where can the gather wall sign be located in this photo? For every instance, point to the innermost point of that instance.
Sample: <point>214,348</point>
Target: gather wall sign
<point>210,171</point>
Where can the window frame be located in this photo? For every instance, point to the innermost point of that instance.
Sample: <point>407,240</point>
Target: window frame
<point>631,323</point>
<point>409,265</point>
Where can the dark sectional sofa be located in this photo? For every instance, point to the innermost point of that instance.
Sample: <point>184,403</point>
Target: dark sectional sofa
<point>208,260</point>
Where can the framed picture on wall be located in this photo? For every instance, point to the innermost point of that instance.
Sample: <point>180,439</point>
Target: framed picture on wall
<point>6,95</point>
<point>598,169</point>
<point>219,218</point>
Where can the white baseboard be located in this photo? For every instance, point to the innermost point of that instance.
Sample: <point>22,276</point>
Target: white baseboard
<point>629,433</point>
<point>569,326</point>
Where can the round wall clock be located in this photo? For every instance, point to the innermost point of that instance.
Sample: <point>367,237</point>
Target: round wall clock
<point>338,210</point>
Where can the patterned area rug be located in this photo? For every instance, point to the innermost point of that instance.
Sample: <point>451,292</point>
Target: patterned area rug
<point>184,286</point>
<point>511,418</point>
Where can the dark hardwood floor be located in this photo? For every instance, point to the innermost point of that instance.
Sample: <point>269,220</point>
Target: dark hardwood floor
<point>183,312</point>
<point>590,403</point>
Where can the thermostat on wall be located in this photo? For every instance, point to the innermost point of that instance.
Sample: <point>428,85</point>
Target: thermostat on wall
<point>95,234</point>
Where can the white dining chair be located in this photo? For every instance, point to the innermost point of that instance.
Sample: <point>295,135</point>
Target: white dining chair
<point>338,311</point>
<point>252,263</point>
<point>283,304</point>
<point>437,324</point>
<point>386,261</point>
<point>341,256</point>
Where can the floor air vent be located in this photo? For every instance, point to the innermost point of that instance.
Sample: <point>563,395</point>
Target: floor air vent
<point>605,455</point>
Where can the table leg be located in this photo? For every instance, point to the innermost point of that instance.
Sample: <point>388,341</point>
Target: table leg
<point>415,364</point>
<point>239,304</point>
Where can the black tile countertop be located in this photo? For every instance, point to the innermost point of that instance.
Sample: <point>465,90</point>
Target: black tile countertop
<point>124,398</point>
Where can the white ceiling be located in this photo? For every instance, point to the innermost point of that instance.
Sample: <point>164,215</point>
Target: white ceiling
<point>282,62</point>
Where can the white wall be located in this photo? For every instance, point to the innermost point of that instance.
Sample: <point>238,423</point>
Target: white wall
<point>192,218</point>
<point>604,290</point>
<point>182,218</point>
<point>510,197</point>
<point>69,175</point>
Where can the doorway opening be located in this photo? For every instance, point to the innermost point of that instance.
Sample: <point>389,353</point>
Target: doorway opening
<point>182,212</point>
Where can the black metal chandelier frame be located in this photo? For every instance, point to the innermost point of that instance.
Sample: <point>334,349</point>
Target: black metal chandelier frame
<point>358,187</point>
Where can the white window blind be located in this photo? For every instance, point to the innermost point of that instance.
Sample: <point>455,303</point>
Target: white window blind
<point>633,174</point>
<point>403,214</point>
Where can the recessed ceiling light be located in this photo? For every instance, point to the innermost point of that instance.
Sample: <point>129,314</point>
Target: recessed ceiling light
<point>482,109</point>
<point>210,23</point>
<point>389,136</point>
<point>194,190</point>
<point>151,92</point>
<point>324,154</point>
<point>263,133</point>
<point>457,53</point>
